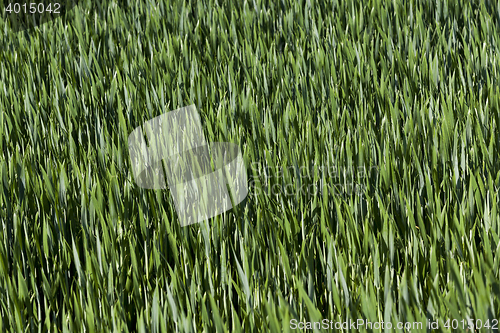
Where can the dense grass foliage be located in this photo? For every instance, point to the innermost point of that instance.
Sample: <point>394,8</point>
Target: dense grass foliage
<point>388,110</point>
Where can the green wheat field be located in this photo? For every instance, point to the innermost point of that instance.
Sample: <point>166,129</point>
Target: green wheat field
<point>370,133</point>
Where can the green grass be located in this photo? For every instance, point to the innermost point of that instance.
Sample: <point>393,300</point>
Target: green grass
<point>407,90</point>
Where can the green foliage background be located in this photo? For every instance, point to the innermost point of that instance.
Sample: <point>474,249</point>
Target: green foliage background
<point>406,89</point>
